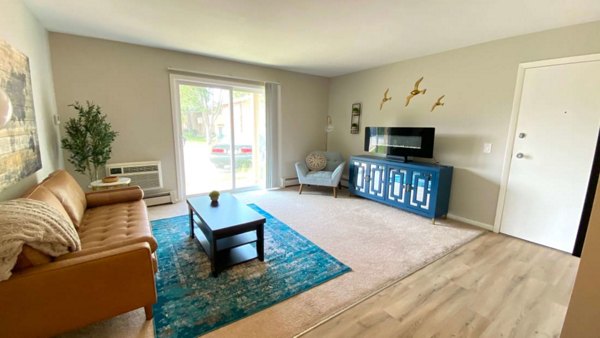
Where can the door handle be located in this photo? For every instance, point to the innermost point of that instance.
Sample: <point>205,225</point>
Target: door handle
<point>520,155</point>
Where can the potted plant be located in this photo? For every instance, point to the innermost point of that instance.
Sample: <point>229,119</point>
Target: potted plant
<point>214,197</point>
<point>89,139</point>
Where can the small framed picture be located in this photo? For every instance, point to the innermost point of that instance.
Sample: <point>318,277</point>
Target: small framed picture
<point>355,118</point>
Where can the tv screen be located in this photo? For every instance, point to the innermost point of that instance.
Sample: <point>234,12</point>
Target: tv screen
<point>400,142</point>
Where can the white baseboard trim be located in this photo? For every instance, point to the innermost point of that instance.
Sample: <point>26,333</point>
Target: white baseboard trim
<point>471,222</point>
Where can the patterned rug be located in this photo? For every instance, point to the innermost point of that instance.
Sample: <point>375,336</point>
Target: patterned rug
<point>191,302</point>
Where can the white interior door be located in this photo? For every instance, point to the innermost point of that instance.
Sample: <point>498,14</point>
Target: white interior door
<point>557,129</point>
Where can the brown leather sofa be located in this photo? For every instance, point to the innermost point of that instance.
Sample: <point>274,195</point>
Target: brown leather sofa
<point>113,273</point>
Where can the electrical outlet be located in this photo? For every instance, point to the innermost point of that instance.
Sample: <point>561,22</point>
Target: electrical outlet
<point>487,148</point>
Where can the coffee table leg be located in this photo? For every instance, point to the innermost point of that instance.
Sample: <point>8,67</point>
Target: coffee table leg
<point>213,256</point>
<point>191,223</point>
<point>260,242</point>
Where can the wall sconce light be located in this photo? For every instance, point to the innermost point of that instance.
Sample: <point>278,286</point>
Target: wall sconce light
<point>329,127</point>
<point>6,108</point>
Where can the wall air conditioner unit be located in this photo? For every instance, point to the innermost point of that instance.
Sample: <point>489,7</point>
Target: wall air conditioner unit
<point>148,175</point>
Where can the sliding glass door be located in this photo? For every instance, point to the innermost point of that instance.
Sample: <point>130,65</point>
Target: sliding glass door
<point>221,135</point>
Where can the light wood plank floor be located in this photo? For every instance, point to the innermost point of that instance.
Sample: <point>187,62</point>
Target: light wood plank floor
<point>494,286</point>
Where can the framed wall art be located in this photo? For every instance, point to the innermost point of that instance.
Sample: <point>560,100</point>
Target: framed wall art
<point>19,145</point>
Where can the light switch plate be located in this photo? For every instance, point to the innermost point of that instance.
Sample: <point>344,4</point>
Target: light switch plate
<point>487,148</point>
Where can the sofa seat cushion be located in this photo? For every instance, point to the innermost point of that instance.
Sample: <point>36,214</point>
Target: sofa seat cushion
<point>115,224</point>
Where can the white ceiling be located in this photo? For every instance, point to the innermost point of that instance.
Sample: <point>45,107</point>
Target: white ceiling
<point>322,37</point>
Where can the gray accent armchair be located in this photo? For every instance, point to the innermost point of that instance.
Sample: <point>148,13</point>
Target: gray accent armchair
<point>328,177</point>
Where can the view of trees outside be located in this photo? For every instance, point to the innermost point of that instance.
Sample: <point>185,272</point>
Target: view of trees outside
<point>200,109</point>
<point>206,128</point>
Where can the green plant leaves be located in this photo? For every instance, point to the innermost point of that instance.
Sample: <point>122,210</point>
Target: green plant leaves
<point>89,139</point>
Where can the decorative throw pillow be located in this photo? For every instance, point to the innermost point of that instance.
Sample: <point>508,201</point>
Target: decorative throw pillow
<point>316,161</point>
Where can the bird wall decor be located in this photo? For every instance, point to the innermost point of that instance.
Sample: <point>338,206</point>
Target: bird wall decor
<point>415,91</point>
<point>385,98</point>
<point>438,103</point>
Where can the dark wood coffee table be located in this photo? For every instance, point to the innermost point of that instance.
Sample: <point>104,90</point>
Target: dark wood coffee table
<point>227,231</point>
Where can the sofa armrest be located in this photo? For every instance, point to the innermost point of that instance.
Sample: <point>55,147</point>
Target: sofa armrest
<point>114,196</point>
<point>56,297</point>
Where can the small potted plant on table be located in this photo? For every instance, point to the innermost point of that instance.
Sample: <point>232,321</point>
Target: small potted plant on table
<point>214,198</point>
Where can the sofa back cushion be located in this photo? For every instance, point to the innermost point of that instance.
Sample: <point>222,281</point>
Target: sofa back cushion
<point>69,193</point>
<point>41,193</point>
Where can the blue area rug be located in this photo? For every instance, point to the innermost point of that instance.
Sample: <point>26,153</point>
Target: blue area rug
<point>191,302</point>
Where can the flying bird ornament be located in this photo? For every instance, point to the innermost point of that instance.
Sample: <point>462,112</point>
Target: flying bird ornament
<point>385,98</point>
<point>415,91</point>
<point>438,103</point>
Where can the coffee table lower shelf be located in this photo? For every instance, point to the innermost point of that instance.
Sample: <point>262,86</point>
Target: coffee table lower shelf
<point>229,251</point>
<point>236,255</point>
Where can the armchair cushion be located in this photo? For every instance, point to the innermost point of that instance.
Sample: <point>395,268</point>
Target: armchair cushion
<point>320,178</point>
<point>334,159</point>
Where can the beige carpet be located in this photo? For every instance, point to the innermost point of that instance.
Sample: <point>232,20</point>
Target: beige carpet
<point>381,244</point>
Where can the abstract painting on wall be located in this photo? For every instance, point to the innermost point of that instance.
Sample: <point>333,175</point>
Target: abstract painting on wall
<point>19,146</point>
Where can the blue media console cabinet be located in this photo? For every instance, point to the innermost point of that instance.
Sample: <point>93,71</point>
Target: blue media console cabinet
<point>420,188</point>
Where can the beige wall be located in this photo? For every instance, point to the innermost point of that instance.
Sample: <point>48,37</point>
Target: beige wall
<point>584,308</point>
<point>22,30</point>
<point>131,84</point>
<point>479,84</point>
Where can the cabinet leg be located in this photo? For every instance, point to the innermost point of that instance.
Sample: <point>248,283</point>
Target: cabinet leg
<point>300,191</point>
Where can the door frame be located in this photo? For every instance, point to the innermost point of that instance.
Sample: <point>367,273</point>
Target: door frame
<point>174,80</point>
<point>514,117</point>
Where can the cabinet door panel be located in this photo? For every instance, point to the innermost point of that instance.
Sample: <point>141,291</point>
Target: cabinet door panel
<point>397,185</point>
<point>420,195</point>
<point>361,175</point>
<point>376,180</point>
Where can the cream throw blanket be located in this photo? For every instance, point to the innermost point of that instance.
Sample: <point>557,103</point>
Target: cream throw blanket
<point>35,223</point>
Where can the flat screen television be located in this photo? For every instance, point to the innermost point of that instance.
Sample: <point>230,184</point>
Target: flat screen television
<point>400,142</point>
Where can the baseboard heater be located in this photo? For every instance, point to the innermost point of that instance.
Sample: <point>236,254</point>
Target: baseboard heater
<point>289,181</point>
<point>159,197</point>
